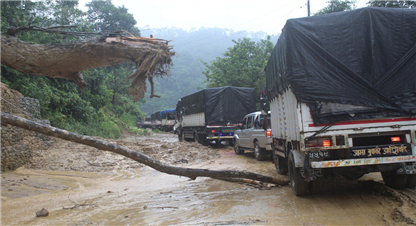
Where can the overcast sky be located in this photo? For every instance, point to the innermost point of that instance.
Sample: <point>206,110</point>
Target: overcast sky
<point>251,15</point>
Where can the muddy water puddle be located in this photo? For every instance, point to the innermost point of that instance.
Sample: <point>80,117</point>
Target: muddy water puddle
<point>147,197</point>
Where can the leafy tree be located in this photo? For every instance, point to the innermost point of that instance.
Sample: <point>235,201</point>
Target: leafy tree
<point>393,4</point>
<point>192,49</point>
<point>241,65</point>
<point>336,6</point>
<point>108,18</point>
<point>62,102</point>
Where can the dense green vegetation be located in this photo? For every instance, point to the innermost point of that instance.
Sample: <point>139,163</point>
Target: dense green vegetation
<point>103,108</point>
<point>241,65</point>
<point>393,4</point>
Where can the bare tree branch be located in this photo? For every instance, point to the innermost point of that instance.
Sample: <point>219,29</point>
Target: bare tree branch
<point>78,205</point>
<point>137,156</point>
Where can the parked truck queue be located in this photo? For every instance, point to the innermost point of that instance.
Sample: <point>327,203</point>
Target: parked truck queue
<point>342,93</point>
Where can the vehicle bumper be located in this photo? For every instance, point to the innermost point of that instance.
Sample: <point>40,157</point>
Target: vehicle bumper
<point>220,137</point>
<point>362,161</point>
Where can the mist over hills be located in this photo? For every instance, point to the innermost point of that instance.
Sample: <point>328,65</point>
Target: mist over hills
<point>192,48</point>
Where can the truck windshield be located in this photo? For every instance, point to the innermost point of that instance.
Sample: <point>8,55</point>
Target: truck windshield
<point>262,120</point>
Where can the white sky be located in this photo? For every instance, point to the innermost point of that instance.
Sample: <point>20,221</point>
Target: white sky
<point>251,15</point>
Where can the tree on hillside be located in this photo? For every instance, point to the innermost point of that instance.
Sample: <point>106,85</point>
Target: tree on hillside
<point>34,43</point>
<point>336,6</point>
<point>108,18</point>
<point>241,65</point>
<point>393,4</point>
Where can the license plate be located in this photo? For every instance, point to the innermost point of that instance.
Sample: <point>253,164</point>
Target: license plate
<point>380,151</point>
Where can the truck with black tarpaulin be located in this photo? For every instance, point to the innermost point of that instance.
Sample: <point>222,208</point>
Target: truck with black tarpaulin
<point>167,119</point>
<point>342,93</point>
<point>156,121</point>
<point>213,114</point>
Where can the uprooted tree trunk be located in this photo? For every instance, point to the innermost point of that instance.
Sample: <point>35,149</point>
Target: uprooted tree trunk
<point>137,156</point>
<point>151,56</point>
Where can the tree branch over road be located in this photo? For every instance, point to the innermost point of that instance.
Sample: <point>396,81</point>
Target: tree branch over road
<point>191,173</point>
<point>152,57</point>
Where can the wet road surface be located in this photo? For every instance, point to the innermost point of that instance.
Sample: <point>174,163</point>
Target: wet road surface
<point>147,197</point>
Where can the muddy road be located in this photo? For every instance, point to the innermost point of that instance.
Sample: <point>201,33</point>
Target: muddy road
<point>75,192</point>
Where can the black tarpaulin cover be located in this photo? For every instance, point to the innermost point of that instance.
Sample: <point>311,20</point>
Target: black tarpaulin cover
<point>349,65</point>
<point>221,105</point>
<point>168,114</point>
<point>155,116</point>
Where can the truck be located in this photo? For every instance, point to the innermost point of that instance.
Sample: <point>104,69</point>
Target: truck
<point>144,123</point>
<point>167,119</point>
<point>342,95</point>
<point>156,121</point>
<point>213,114</point>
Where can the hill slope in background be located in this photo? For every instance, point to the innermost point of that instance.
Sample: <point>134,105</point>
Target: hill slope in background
<point>192,48</point>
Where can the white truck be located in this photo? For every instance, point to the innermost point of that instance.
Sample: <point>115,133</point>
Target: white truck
<point>342,93</point>
<point>213,114</point>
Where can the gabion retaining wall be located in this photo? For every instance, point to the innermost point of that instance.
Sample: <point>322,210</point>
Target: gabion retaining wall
<point>19,145</point>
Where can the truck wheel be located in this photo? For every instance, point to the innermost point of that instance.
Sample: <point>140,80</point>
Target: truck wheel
<point>237,149</point>
<point>353,175</point>
<point>180,137</point>
<point>202,139</point>
<point>411,181</point>
<point>299,187</point>
<point>317,186</point>
<point>394,180</point>
<point>231,142</point>
<point>279,163</point>
<point>259,153</point>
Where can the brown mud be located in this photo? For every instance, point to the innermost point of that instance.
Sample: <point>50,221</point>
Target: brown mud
<point>128,193</point>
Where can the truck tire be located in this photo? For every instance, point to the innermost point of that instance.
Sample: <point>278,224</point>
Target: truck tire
<point>394,180</point>
<point>202,139</point>
<point>283,170</point>
<point>299,187</point>
<point>231,142</point>
<point>196,138</point>
<point>317,186</point>
<point>259,153</point>
<point>280,163</point>
<point>237,149</point>
<point>411,181</point>
<point>181,137</point>
<point>353,175</point>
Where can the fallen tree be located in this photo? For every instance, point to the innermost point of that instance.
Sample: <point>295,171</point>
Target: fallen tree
<point>191,173</point>
<point>152,57</point>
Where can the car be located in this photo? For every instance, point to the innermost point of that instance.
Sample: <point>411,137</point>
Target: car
<point>254,135</point>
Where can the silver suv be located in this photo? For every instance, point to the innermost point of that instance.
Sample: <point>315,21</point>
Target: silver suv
<point>254,135</point>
